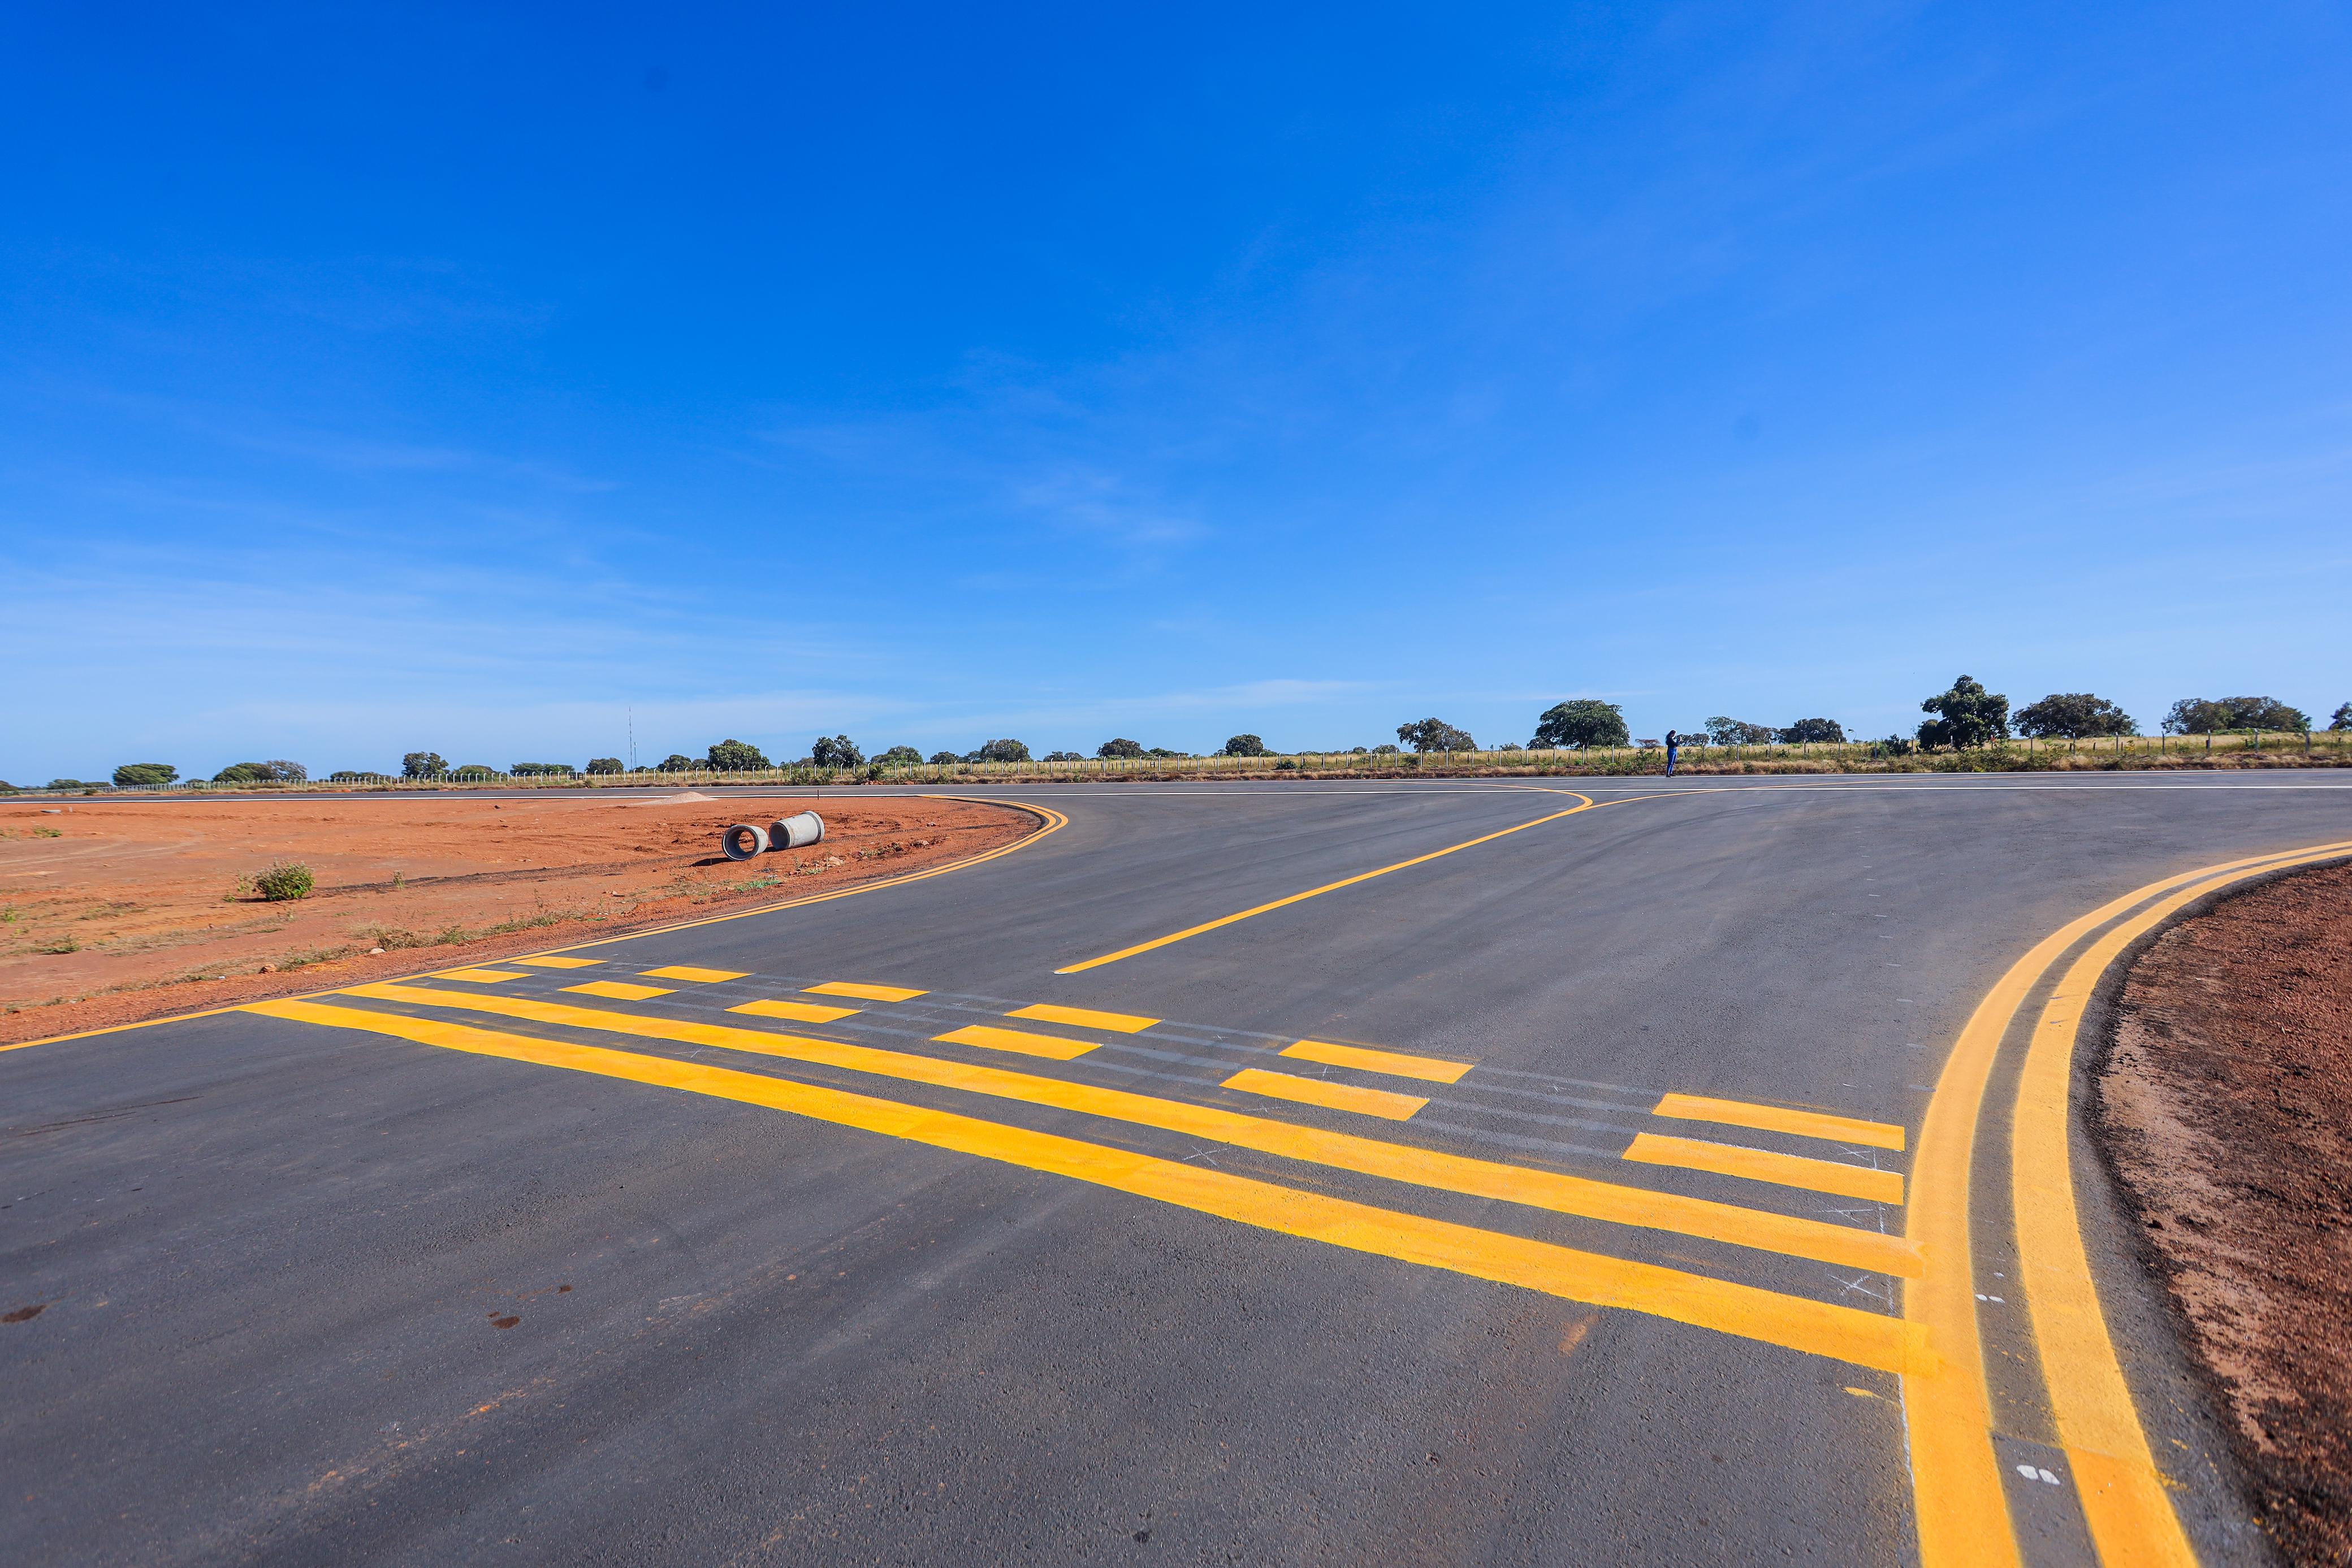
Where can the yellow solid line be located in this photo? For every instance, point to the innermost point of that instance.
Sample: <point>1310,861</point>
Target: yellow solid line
<point>1085,1017</point>
<point>804,1012</point>
<point>865,993</point>
<point>2132,1521</point>
<point>1318,891</point>
<point>555,961</point>
<point>1819,1328</point>
<point>1020,1039</point>
<point>1957,1485</point>
<point>1763,1165</point>
<point>620,990</point>
<point>1606,1201</point>
<point>1324,1092</point>
<point>1429,1068</point>
<point>483,977</point>
<point>1778,1119</point>
<point>688,972</point>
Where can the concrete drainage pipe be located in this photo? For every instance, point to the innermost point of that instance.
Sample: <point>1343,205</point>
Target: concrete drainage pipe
<point>743,840</point>
<point>796,832</point>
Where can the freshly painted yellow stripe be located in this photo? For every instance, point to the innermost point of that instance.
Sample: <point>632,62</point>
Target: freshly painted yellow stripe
<point>865,993</point>
<point>619,990</point>
<point>1957,1486</point>
<point>557,961</point>
<point>1084,1018</point>
<point>2132,1521</point>
<point>1019,1040</point>
<point>1606,1201</point>
<point>688,972</point>
<point>1763,1165</point>
<point>1779,1119</point>
<point>1428,1069</point>
<point>482,976</point>
<point>803,1012</point>
<point>1190,931</point>
<point>1819,1328</point>
<point>1324,1092</point>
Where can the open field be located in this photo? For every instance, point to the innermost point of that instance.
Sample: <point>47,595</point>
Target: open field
<point>128,908</point>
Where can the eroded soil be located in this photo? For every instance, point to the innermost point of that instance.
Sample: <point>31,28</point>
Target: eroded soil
<point>115,912</point>
<point>2226,1105</point>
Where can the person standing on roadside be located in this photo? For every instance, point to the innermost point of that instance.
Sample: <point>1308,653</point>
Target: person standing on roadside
<point>1673,744</point>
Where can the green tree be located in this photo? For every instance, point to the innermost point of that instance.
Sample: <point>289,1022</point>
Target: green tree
<point>1386,748</point>
<point>544,770</point>
<point>1000,751</point>
<point>2073,715</point>
<point>2341,718</point>
<point>944,758</point>
<point>1243,745</point>
<point>677,762</point>
<point>900,756</point>
<point>2204,715</point>
<point>737,756</point>
<point>1722,730</point>
<point>1120,748</point>
<point>1581,721</point>
<point>1064,757</point>
<point>286,772</point>
<point>1435,735</point>
<point>243,773</point>
<point>605,765</point>
<point>423,764</point>
<point>351,776</point>
<point>1814,732</point>
<point>474,772</point>
<point>835,751</point>
<point>144,774</point>
<point>1971,716</point>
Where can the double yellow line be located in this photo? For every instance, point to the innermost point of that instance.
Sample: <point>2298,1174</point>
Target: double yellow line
<point>1957,1479</point>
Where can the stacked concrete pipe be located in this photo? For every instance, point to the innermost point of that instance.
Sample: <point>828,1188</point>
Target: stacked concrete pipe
<point>745,840</point>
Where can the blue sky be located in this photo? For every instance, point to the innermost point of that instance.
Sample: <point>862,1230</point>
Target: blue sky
<point>469,379</point>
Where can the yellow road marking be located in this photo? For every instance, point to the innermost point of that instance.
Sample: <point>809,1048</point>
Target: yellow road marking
<point>1778,1119</point>
<point>1323,1092</point>
<point>1019,1040</point>
<point>865,993</point>
<point>1957,1485</point>
<point>804,1012</point>
<point>557,961</point>
<point>1582,1197</point>
<point>1429,1068</point>
<point>619,990</point>
<point>1763,1165</point>
<point>483,977</point>
<point>688,972</point>
<point>1190,931</point>
<point>1819,1328</point>
<point>1085,1017</point>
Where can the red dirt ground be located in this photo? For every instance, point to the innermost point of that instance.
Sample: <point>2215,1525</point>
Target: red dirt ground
<point>113,912</point>
<point>2226,1105</point>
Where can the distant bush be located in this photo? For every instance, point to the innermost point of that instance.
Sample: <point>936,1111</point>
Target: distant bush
<point>2202,715</point>
<point>288,772</point>
<point>605,765</point>
<point>72,784</point>
<point>423,764</point>
<point>144,774</point>
<point>900,756</point>
<point>677,762</point>
<point>1000,751</point>
<point>1582,722</point>
<point>2341,719</point>
<point>1243,745</point>
<point>835,751</point>
<point>1064,757</point>
<point>2073,715</point>
<point>1814,732</point>
<point>737,756</point>
<point>242,773</point>
<point>1892,746</point>
<point>284,881</point>
<point>544,770</point>
<point>1163,751</point>
<point>474,772</point>
<point>1120,747</point>
<point>1287,765</point>
<point>1435,735</point>
<point>1724,730</point>
<point>944,758</point>
<point>350,776</point>
<point>1386,748</point>
<point>1971,716</point>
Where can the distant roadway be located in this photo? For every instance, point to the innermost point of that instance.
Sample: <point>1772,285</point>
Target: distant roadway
<point>1543,1172</point>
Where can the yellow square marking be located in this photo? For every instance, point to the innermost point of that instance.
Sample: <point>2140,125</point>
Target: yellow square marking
<point>688,972</point>
<point>558,961</point>
<point>483,975</point>
<point>1433,1069</point>
<point>866,993</point>
<point>1085,1017</point>
<point>1323,1092</point>
<point>619,990</point>
<point>1778,1119</point>
<point>1763,1165</point>
<point>803,1012</point>
<point>1028,1044</point>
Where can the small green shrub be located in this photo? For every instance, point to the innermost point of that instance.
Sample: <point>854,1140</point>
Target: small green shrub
<point>283,880</point>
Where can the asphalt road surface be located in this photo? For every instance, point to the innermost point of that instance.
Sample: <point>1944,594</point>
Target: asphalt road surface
<point>1558,1199</point>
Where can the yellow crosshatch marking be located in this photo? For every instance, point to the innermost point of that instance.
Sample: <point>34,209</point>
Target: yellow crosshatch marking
<point>1022,1040</point>
<point>688,972</point>
<point>619,990</point>
<point>1610,1202</point>
<point>865,993</point>
<point>1763,1165</point>
<point>1085,1017</point>
<point>482,976</point>
<point>1429,1068</point>
<point>1324,1092</point>
<point>801,1012</point>
<point>1778,1119</point>
<point>1819,1328</point>
<point>558,961</point>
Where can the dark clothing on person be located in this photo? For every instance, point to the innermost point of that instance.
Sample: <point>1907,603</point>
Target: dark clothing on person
<point>1673,744</point>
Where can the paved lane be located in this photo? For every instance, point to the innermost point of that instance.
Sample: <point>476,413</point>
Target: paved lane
<point>499,1268</point>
